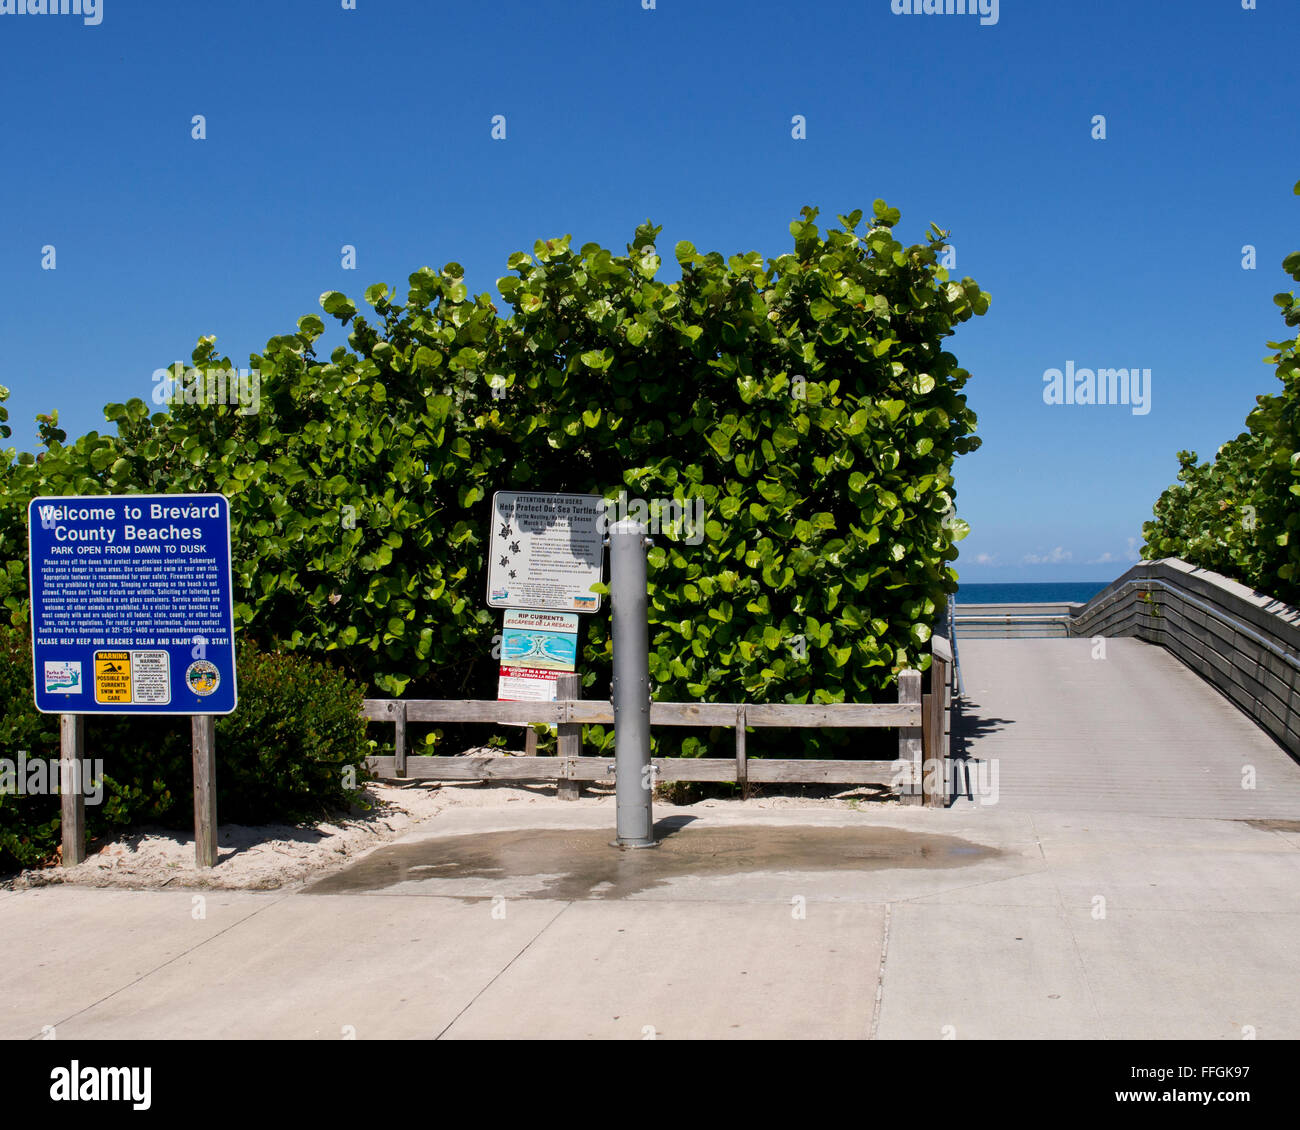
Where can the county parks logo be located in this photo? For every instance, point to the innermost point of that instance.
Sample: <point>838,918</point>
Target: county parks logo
<point>202,677</point>
<point>62,678</point>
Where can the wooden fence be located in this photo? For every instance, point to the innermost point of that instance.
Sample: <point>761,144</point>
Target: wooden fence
<point>918,773</point>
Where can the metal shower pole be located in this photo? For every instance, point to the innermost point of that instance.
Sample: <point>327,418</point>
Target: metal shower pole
<point>631,690</point>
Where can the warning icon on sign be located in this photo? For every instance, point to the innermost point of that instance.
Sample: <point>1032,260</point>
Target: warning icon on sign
<point>113,676</point>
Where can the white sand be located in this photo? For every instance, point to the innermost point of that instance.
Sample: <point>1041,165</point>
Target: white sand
<point>270,856</point>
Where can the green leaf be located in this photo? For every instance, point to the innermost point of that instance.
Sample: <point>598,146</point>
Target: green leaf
<point>426,358</point>
<point>337,305</point>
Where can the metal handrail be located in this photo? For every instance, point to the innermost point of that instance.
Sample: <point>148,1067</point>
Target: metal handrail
<point>999,617</point>
<point>1235,624</point>
<point>959,684</point>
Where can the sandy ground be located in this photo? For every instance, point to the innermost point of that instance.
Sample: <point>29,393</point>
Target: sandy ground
<point>271,856</point>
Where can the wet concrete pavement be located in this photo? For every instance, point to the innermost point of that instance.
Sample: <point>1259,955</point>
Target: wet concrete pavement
<point>884,923</point>
<point>573,863</point>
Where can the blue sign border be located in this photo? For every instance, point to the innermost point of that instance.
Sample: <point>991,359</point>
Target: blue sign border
<point>225,697</point>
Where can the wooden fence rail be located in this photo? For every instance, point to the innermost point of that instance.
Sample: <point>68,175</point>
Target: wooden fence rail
<point>921,729</point>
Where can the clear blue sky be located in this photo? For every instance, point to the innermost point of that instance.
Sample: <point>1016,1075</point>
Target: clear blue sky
<point>372,126</point>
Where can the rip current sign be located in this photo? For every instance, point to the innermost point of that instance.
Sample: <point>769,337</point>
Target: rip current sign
<point>536,649</point>
<point>131,604</point>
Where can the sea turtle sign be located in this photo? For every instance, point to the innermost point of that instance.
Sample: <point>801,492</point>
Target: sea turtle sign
<point>546,551</point>
<point>131,604</point>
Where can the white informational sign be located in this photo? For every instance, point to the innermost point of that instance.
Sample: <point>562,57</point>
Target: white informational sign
<point>536,649</point>
<point>546,551</point>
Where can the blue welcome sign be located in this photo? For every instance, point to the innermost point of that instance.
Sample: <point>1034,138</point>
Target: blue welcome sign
<point>131,604</point>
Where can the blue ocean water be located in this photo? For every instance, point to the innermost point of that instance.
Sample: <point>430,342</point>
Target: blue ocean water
<point>1038,592</point>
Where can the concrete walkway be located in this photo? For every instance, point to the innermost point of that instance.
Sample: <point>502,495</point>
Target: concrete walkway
<point>1008,925</point>
<point>1123,886</point>
<point>1133,732</point>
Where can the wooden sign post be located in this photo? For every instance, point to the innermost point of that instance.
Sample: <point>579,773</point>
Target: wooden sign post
<point>72,802</point>
<point>204,730</point>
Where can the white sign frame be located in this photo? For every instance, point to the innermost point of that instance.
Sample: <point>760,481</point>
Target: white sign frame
<point>545,578</point>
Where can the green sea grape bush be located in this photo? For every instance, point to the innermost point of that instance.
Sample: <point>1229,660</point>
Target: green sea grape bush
<point>294,749</point>
<point>1209,517</point>
<point>804,405</point>
<point>1240,514</point>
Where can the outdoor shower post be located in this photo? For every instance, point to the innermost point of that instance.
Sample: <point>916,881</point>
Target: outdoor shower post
<point>634,782</point>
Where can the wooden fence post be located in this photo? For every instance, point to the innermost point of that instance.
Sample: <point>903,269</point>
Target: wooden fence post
<point>203,730</point>
<point>910,744</point>
<point>72,800</point>
<point>398,711</point>
<point>927,747</point>
<point>935,716</point>
<point>742,760</point>
<point>568,688</point>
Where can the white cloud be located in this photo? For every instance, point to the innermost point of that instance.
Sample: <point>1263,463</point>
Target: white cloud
<point>986,559</point>
<point>1058,556</point>
<point>1130,554</point>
